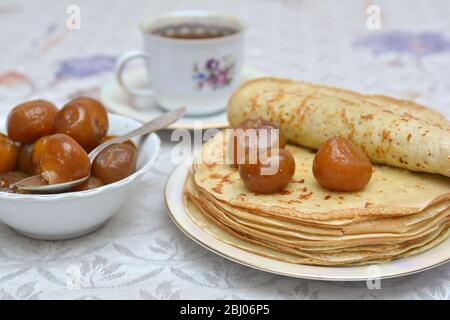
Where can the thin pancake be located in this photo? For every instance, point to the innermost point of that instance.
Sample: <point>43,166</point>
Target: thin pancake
<point>391,191</point>
<point>376,225</point>
<point>309,240</point>
<point>301,239</point>
<point>401,134</point>
<point>233,238</point>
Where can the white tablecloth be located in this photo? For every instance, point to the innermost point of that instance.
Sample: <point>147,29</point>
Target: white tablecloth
<point>140,253</point>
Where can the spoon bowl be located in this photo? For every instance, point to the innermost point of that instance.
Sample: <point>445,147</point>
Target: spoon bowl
<point>38,185</point>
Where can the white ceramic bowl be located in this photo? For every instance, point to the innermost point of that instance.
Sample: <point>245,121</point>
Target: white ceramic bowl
<point>68,215</point>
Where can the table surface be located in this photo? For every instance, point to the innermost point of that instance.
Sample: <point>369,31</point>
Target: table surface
<point>140,253</point>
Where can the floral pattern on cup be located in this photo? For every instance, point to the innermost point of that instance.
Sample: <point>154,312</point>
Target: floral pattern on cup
<point>214,73</point>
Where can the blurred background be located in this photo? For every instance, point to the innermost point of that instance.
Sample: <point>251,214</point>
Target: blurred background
<point>406,55</point>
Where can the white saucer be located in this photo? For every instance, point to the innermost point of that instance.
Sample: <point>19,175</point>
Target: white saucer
<point>143,109</point>
<point>431,258</point>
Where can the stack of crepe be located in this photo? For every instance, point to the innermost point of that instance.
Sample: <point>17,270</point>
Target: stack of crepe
<point>400,212</point>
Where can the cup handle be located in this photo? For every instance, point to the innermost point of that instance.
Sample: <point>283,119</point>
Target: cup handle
<point>120,66</point>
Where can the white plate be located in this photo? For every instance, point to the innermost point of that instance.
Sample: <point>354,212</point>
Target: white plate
<point>143,109</point>
<point>174,202</point>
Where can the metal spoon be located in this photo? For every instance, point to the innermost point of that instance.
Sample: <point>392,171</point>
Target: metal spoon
<point>39,185</point>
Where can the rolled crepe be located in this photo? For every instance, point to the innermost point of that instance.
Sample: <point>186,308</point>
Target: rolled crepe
<point>394,132</point>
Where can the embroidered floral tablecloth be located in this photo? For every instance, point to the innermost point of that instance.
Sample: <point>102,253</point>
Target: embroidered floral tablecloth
<point>140,253</point>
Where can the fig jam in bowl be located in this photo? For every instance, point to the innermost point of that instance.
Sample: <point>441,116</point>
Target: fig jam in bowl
<point>73,214</point>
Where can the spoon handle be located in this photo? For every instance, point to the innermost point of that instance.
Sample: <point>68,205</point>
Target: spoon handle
<point>156,124</point>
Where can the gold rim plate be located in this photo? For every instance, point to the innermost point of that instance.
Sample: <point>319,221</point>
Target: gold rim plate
<point>175,209</point>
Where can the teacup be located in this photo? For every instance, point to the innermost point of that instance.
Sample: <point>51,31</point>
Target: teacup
<point>193,59</point>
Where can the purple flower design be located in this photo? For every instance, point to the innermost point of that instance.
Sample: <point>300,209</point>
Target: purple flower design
<point>215,73</point>
<point>417,44</point>
<point>212,64</point>
<point>85,67</point>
